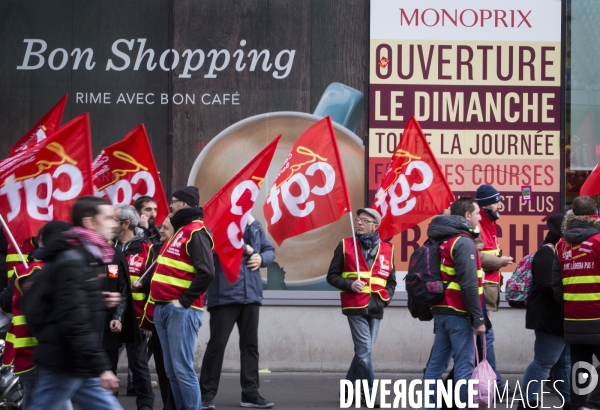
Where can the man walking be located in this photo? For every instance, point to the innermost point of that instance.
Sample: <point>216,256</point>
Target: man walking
<point>363,298</point>
<point>70,359</point>
<point>576,285</point>
<point>184,269</point>
<point>459,315</point>
<point>237,303</point>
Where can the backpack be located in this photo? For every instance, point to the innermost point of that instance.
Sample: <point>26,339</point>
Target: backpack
<point>520,285</point>
<point>424,284</point>
<point>36,299</point>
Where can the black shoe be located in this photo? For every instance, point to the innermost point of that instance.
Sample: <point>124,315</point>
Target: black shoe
<point>131,393</point>
<point>376,403</point>
<point>208,404</point>
<point>256,402</point>
<point>508,396</point>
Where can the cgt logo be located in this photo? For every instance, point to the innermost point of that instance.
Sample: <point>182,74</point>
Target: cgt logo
<point>584,378</point>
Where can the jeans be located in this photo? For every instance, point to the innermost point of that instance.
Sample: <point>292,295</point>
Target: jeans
<point>491,355</point>
<point>453,337</point>
<point>364,333</point>
<point>178,331</point>
<point>53,389</point>
<point>163,380</point>
<point>550,352</point>
<point>222,320</point>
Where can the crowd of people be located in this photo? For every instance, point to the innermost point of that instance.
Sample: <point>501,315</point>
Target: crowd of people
<point>112,279</point>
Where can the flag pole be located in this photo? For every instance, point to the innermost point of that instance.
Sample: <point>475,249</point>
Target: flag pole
<point>12,239</point>
<point>355,248</point>
<point>147,271</point>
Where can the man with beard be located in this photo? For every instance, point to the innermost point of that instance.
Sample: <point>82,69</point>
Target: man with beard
<point>363,298</point>
<point>184,269</point>
<point>131,241</point>
<point>147,208</point>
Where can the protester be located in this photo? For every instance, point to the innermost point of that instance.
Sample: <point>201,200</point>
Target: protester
<point>147,208</point>
<point>70,359</point>
<point>20,342</point>
<point>545,316</point>
<point>130,240</point>
<point>576,286</point>
<point>459,315</point>
<point>237,303</point>
<point>184,269</point>
<point>364,299</point>
<point>488,199</point>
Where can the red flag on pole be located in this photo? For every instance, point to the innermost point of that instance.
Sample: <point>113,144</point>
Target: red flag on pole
<point>126,170</point>
<point>310,190</point>
<point>45,126</point>
<point>227,213</point>
<point>42,183</point>
<point>413,187</point>
<point>591,186</point>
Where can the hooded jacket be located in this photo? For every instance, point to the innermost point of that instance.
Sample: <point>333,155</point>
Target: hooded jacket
<point>577,229</point>
<point>71,341</point>
<point>463,254</point>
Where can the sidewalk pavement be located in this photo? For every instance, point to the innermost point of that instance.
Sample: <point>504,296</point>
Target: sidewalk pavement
<point>301,390</point>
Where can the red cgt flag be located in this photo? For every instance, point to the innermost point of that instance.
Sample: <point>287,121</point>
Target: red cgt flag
<point>413,187</point>
<point>40,184</point>
<point>227,213</point>
<point>310,190</point>
<point>45,126</point>
<point>126,170</point>
<point>591,186</point>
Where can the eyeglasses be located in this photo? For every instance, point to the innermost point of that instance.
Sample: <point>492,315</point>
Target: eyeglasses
<point>175,200</point>
<point>364,220</point>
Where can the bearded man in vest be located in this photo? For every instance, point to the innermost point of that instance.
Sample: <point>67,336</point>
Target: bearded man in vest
<point>576,286</point>
<point>184,269</point>
<point>492,261</point>
<point>459,314</point>
<point>363,298</point>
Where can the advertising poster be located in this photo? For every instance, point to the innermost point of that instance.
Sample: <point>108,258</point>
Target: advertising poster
<point>212,81</point>
<point>483,80</point>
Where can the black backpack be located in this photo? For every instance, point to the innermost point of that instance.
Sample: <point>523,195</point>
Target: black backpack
<point>36,299</point>
<point>424,284</point>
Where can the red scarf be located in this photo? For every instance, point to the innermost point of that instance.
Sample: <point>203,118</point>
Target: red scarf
<point>93,242</point>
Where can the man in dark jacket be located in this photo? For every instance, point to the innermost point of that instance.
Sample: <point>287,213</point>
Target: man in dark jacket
<point>231,303</point>
<point>71,361</point>
<point>131,242</point>
<point>576,285</point>
<point>459,315</point>
<point>184,269</point>
<point>366,289</point>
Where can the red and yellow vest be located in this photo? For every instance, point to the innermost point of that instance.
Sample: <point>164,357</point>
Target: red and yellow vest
<point>489,235</point>
<point>374,277</point>
<point>452,297</point>
<point>12,256</point>
<point>20,342</point>
<point>580,269</point>
<point>174,269</point>
<point>137,266</point>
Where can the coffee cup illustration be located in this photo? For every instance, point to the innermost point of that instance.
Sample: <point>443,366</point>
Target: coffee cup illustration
<point>304,258</point>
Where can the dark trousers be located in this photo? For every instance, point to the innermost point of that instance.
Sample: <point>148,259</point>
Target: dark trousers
<point>137,357</point>
<point>163,380</point>
<point>584,353</point>
<point>222,320</point>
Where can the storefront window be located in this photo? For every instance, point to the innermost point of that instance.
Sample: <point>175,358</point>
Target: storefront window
<point>582,80</point>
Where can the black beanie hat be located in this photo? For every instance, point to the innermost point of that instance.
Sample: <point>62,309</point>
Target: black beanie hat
<point>189,195</point>
<point>53,228</point>
<point>487,195</point>
<point>555,228</point>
